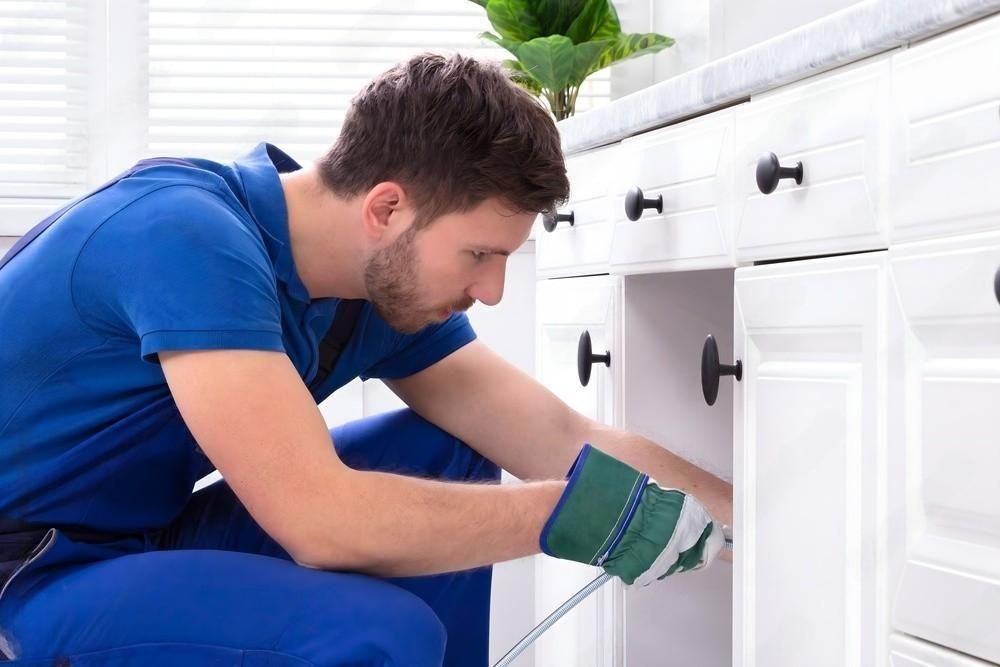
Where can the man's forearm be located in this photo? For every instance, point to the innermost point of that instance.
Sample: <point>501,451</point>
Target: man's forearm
<point>668,469</point>
<point>392,525</point>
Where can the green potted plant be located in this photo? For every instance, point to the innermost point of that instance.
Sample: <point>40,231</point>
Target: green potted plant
<point>559,43</point>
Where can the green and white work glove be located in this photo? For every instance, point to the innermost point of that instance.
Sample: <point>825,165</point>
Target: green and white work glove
<point>613,516</point>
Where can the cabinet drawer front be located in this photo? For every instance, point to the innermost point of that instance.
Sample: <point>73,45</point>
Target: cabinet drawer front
<point>909,652</point>
<point>833,125</point>
<point>583,247</point>
<point>945,443</point>
<point>690,166</point>
<point>945,149</point>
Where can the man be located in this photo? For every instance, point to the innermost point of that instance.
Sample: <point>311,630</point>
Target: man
<point>170,324</point>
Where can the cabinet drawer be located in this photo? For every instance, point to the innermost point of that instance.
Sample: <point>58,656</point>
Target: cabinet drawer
<point>833,125</point>
<point>909,652</point>
<point>945,149</point>
<point>583,247</point>
<point>688,169</point>
<point>944,443</point>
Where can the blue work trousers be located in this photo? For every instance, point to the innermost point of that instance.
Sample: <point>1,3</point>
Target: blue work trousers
<point>214,589</point>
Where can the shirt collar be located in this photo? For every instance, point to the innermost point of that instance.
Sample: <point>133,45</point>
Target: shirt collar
<point>258,171</point>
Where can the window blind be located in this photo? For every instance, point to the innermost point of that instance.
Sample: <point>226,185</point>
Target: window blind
<point>43,108</point>
<point>228,74</point>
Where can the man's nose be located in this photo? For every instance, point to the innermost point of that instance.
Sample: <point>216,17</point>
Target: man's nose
<point>489,287</point>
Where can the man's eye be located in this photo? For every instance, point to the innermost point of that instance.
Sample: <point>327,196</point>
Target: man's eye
<point>478,256</point>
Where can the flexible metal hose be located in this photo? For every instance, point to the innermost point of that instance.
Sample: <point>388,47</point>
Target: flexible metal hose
<point>566,606</point>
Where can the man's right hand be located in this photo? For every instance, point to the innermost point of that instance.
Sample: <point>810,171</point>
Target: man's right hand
<point>613,516</point>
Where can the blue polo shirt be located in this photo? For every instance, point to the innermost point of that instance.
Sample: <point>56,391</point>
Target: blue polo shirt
<point>173,257</point>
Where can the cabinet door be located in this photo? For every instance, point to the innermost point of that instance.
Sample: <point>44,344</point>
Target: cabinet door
<point>946,448</point>
<point>808,436</point>
<point>567,308</point>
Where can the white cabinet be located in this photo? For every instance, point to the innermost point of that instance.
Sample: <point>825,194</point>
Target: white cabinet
<point>566,309</point>
<point>866,427</point>
<point>583,246</point>
<point>946,443</point>
<point>688,169</point>
<point>833,125</point>
<point>946,135</point>
<point>809,434</point>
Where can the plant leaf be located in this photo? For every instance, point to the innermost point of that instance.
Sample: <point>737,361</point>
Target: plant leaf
<point>523,78</point>
<point>481,3</point>
<point>591,18</point>
<point>611,28</point>
<point>631,46</point>
<point>509,44</point>
<point>556,16</point>
<point>514,19</point>
<point>585,58</point>
<point>550,60</point>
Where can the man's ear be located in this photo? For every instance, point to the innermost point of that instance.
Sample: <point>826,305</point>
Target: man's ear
<point>381,210</point>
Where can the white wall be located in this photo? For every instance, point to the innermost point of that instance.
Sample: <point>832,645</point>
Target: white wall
<point>745,24</point>
<point>705,31</point>
<point>696,27</point>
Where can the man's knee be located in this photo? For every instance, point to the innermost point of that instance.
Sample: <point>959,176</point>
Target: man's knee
<point>368,622</point>
<point>405,443</point>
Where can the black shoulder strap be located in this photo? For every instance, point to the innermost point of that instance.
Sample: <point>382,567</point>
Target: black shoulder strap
<point>336,338</point>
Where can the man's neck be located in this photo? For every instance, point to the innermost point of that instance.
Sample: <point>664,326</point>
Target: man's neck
<point>324,236</point>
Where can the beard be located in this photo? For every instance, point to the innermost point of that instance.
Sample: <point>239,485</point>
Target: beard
<point>391,281</point>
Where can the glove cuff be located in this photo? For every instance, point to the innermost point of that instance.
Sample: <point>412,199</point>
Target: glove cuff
<point>601,497</point>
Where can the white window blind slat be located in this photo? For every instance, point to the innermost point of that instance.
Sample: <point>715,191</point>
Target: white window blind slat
<point>324,53</point>
<point>366,7</point>
<point>283,20</point>
<point>10,59</point>
<point>224,76</point>
<point>218,104</point>
<point>30,158</point>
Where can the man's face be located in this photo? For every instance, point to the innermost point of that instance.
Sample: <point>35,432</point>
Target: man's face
<point>422,277</point>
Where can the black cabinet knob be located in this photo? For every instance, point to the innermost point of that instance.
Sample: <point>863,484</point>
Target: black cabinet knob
<point>635,203</point>
<point>585,358</point>
<point>550,220</point>
<point>712,370</point>
<point>770,171</point>
<point>996,285</point>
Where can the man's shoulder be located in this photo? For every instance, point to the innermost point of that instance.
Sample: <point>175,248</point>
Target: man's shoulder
<point>184,212</point>
<point>180,232</point>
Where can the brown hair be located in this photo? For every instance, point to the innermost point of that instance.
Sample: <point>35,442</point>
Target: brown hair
<point>453,132</point>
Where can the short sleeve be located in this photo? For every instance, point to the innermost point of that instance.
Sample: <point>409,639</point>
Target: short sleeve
<point>413,353</point>
<point>180,270</point>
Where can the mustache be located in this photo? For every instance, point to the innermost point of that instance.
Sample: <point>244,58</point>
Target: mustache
<point>464,305</point>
